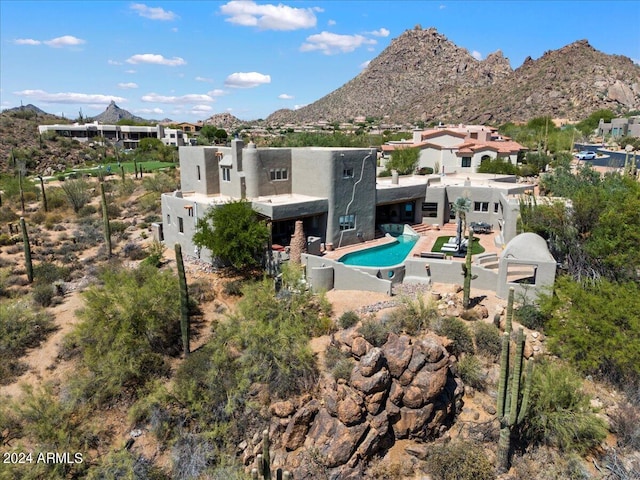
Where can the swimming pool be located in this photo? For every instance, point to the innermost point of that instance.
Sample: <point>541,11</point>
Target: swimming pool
<point>383,255</point>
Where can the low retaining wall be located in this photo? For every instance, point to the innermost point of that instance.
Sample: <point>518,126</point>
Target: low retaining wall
<point>324,274</point>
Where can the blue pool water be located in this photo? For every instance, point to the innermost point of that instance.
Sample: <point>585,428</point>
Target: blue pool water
<point>382,255</point>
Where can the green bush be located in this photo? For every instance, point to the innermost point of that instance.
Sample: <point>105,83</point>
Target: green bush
<point>374,332</point>
<point>342,369</point>
<point>559,412</point>
<point>459,460</point>
<point>470,371</point>
<point>413,316</point>
<point>530,316</point>
<point>42,294</point>
<point>488,339</point>
<point>48,272</point>
<point>348,319</point>
<point>124,464</point>
<point>456,331</point>
<point>233,288</point>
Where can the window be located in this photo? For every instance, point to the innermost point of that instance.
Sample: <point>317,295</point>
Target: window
<point>347,222</point>
<point>226,174</point>
<point>480,206</point>
<point>278,174</point>
<point>430,209</point>
<point>198,169</point>
<point>189,210</point>
<point>180,225</point>
<point>168,219</point>
<point>347,173</point>
<point>496,205</point>
<point>466,161</point>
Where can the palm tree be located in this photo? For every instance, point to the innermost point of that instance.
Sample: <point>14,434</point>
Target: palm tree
<point>460,207</point>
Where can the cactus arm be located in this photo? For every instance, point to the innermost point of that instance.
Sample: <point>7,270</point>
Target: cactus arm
<point>504,376</point>
<point>184,301</point>
<point>27,250</point>
<point>508,324</point>
<point>105,220</point>
<point>528,380</point>
<point>517,372</point>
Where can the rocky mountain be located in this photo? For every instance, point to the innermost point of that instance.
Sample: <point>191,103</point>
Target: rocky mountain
<point>27,109</point>
<point>113,114</point>
<point>225,121</point>
<point>422,75</point>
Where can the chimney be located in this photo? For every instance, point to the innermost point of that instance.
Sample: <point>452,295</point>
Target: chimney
<point>394,177</point>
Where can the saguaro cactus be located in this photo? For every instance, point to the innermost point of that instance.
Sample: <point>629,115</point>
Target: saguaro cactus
<point>466,271</point>
<point>511,405</point>
<point>509,318</point>
<point>105,220</point>
<point>44,194</point>
<point>184,301</point>
<point>27,250</point>
<point>263,460</point>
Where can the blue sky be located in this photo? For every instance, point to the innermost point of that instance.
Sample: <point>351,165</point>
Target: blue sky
<point>189,60</point>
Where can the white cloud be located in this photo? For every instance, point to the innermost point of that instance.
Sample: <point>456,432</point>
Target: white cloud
<point>298,107</point>
<point>331,22</point>
<point>476,54</point>
<point>130,71</point>
<point>114,62</point>
<point>156,59</point>
<point>27,41</point>
<point>154,13</point>
<point>636,61</point>
<point>442,7</point>
<point>330,43</point>
<point>203,79</point>
<point>382,32</point>
<point>201,109</point>
<point>246,79</point>
<point>285,96</point>
<point>267,16</point>
<point>64,41</point>
<point>189,98</point>
<point>216,92</point>
<point>149,110</point>
<point>127,85</point>
<point>365,64</point>
<point>174,29</point>
<point>68,97</point>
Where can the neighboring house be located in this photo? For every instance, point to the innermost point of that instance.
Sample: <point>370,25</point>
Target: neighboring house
<point>187,127</point>
<point>127,136</point>
<point>461,149</point>
<point>620,127</point>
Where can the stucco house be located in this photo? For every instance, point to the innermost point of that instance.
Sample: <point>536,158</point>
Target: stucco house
<point>458,149</point>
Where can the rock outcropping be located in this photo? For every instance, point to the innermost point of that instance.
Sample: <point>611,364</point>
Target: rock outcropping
<point>404,389</point>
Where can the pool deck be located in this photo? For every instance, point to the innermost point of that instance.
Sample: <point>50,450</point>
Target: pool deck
<point>424,244</point>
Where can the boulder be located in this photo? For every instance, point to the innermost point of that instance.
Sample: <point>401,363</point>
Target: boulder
<point>430,384</point>
<point>396,392</point>
<point>368,385</point>
<point>397,351</point>
<point>406,378</point>
<point>350,407</point>
<point>411,421</point>
<point>296,432</point>
<point>360,347</point>
<point>334,441</point>
<point>371,362</point>
<point>282,409</point>
<point>374,402</point>
<point>431,348</point>
<point>413,397</point>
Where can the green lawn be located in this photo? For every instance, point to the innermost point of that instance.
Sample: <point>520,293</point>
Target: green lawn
<point>128,167</point>
<point>440,241</point>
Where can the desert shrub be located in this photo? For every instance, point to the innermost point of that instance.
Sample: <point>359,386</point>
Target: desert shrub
<point>488,339</point>
<point>342,369</point>
<point>456,331</point>
<point>530,316</point>
<point>160,183</point>
<point>47,272</point>
<point>459,460</point>
<point>568,466</point>
<point>471,372</point>
<point>55,198</point>
<point>120,464</point>
<point>128,324</point>
<point>625,423</point>
<point>133,251</point>
<point>6,239</point>
<point>155,254</point>
<point>348,319</point>
<point>201,290</point>
<point>21,327</point>
<point>77,192</point>
<point>559,412</point>
<point>154,411</point>
<point>374,332</point>
<point>118,228</point>
<point>191,455</point>
<point>87,210</point>
<point>113,209</point>
<point>37,217</point>
<point>42,294</point>
<point>233,288</point>
<point>61,178</point>
<point>385,469</point>
<point>412,316</point>
<point>7,215</point>
<point>339,363</point>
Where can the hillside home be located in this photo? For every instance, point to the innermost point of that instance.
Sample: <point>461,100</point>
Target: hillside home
<point>125,136</point>
<point>458,149</point>
<point>620,127</point>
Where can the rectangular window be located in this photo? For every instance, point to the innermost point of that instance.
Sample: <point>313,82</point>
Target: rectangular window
<point>180,225</point>
<point>226,174</point>
<point>168,219</point>
<point>347,173</point>
<point>198,169</point>
<point>480,206</point>
<point>430,209</point>
<point>466,161</point>
<point>496,205</point>
<point>189,211</point>
<point>278,174</point>
<point>347,222</point>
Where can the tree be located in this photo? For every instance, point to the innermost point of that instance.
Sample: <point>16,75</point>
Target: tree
<point>404,160</point>
<point>77,192</point>
<point>233,233</point>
